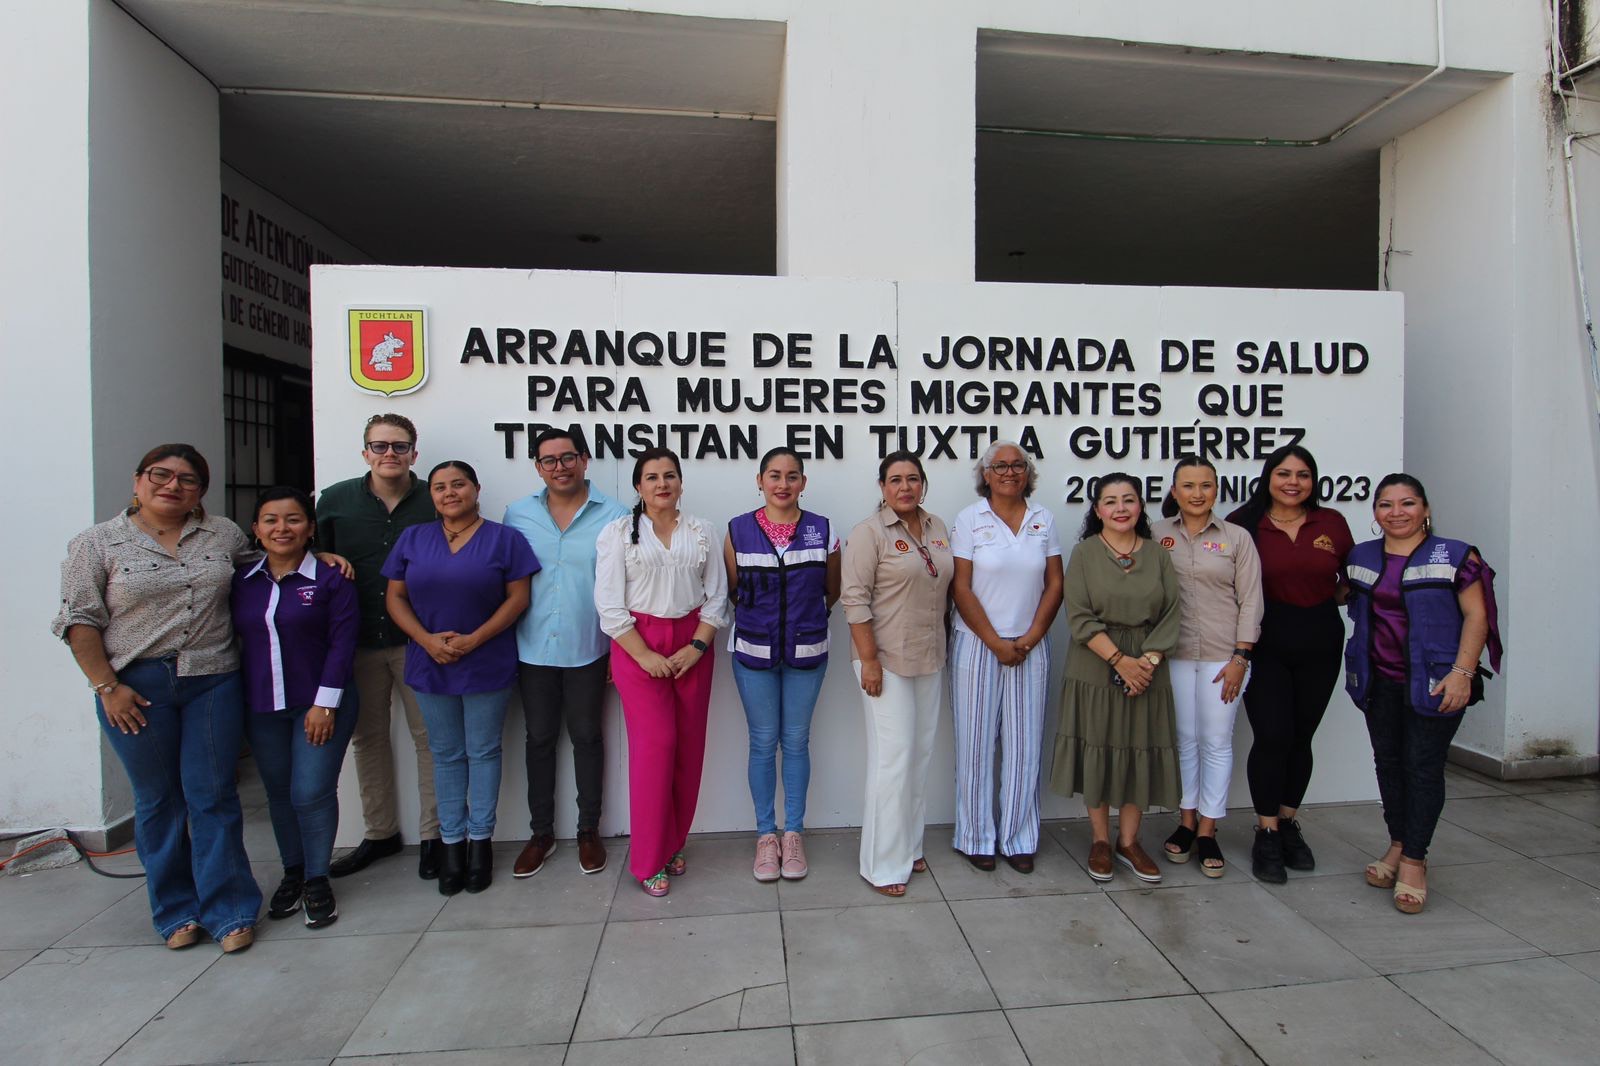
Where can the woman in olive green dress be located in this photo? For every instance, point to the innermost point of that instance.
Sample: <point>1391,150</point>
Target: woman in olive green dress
<point>1116,741</point>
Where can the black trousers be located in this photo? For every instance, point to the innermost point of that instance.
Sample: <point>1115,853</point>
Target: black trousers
<point>1297,663</point>
<point>1409,752</point>
<point>551,695</point>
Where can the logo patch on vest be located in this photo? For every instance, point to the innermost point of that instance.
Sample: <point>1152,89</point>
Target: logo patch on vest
<point>1169,543</point>
<point>1440,554</point>
<point>901,546</point>
<point>1218,546</point>
<point>938,543</point>
<point>307,594</point>
<point>1324,542</point>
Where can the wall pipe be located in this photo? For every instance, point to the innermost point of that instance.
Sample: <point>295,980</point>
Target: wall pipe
<point>507,105</point>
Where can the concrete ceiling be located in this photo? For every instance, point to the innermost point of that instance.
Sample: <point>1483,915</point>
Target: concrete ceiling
<point>1079,209</point>
<point>379,118</point>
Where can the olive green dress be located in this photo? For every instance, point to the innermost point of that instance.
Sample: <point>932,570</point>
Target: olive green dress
<point>1112,748</point>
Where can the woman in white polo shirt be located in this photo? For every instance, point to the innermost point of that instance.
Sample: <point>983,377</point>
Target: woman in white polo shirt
<point>1007,590</point>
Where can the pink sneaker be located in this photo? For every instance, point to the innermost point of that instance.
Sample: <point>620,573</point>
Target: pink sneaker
<point>794,857</point>
<point>766,868</point>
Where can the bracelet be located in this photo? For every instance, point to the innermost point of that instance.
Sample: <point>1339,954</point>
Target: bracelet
<point>1244,653</point>
<point>1115,659</point>
<point>106,688</point>
<point>1241,660</point>
<point>1462,672</point>
<point>698,645</point>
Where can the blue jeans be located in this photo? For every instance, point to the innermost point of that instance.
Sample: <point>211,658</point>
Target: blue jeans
<point>778,705</point>
<point>464,736</point>
<point>302,780</point>
<point>186,818</point>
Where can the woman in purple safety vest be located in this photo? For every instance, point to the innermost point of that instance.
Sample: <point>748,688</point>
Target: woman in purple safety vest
<point>783,570</point>
<point>1424,610</point>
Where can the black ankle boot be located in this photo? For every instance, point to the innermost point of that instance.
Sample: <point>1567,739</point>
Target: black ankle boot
<point>452,867</point>
<point>1296,852</point>
<point>480,864</point>
<point>1266,857</point>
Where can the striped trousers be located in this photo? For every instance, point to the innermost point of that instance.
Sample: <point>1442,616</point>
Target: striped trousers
<point>991,701</point>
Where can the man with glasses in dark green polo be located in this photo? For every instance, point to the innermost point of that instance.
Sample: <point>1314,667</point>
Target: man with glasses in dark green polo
<point>364,517</point>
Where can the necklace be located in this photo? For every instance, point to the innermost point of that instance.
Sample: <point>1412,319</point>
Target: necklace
<point>1123,559</point>
<point>452,534</point>
<point>155,531</point>
<point>1301,517</point>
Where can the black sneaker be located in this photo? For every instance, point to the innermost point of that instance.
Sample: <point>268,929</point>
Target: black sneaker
<point>1296,853</point>
<point>286,900</point>
<point>321,909</point>
<point>1266,857</point>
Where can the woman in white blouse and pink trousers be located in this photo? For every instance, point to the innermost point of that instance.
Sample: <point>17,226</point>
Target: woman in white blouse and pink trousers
<point>662,594</point>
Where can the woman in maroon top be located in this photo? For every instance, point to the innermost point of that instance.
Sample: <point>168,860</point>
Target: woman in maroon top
<point>1296,664</point>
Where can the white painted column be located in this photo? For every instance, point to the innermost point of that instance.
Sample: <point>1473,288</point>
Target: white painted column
<point>876,141</point>
<point>1500,418</point>
<point>110,179</point>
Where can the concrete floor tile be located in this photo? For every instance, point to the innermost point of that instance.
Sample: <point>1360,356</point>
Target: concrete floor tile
<point>718,882</point>
<point>1587,963</point>
<point>1524,826</point>
<point>1361,826</point>
<point>535,1055</point>
<point>285,1001</point>
<point>1179,1030</point>
<point>880,962</point>
<point>1585,868</point>
<point>78,1005</point>
<point>1236,936</point>
<point>1063,949</point>
<point>1460,783</point>
<point>685,975</point>
<point>481,988</point>
<point>1365,922</point>
<point>700,1049</point>
<point>1534,785</point>
<point>1523,1012</point>
<point>385,898</point>
<point>954,1040</point>
<point>559,894</point>
<point>1342,1022</point>
<point>835,877</point>
<point>1548,909</point>
<point>1055,872</point>
<point>1584,806</point>
<point>13,958</point>
<point>41,908</point>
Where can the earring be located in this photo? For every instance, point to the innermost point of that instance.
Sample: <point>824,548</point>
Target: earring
<point>198,513</point>
<point>1427,525</point>
<point>133,505</point>
<point>1376,532</point>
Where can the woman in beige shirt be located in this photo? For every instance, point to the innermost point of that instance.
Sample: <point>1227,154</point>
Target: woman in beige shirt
<point>1219,584</point>
<point>896,595</point>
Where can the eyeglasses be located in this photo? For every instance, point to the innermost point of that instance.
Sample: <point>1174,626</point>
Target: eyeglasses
<point>927,560</point>
<point>160,475</point>
<point>1016,467</point>
<point>550,462</point>
<point>399,447</point>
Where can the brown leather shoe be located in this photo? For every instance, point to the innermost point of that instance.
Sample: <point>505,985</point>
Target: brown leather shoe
<point>1023,864</point>
<point>591,853</point>
<point>1143,866</point>
<point>534,853</point>
<point>1100,860</point>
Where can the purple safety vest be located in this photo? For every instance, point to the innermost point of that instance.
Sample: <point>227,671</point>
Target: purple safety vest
<point>780,607</point>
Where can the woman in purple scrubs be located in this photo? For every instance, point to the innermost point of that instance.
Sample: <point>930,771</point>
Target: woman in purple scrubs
<point>456,587</point>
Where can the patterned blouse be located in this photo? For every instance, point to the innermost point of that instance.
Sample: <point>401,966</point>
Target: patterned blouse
<point>147,604</point>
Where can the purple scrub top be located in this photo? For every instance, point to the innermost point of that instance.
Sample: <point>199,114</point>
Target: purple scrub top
<point>459,592</point>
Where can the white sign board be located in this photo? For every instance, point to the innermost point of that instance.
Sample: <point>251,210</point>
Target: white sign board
<point>1089,380</point>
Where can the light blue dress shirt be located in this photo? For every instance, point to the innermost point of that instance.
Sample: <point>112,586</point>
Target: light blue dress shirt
<point>561,626</point>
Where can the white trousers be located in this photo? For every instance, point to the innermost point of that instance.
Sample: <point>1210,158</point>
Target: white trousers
<point>1205,735</point>
<point>988,700</point>
<point>901,724</point>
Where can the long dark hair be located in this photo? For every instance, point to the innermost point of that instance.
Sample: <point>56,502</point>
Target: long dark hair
<point>1250,514</point>
<point>1092,522</point>
<point>1169,504</point>
<point>647,456</point>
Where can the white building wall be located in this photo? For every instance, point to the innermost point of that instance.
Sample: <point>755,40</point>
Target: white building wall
<point>112,339</point>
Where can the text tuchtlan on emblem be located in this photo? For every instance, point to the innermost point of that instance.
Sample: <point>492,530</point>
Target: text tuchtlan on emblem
<point>388,350</point>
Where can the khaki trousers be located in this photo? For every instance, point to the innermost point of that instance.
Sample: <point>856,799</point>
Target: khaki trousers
<point>379,673</point>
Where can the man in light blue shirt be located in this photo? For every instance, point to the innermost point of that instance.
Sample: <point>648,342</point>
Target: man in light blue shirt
<point>564,657</point>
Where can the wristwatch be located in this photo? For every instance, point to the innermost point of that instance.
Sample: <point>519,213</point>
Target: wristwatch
<point>699,645</point>
<point>1245,653</point>
<point>1152,658</point>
